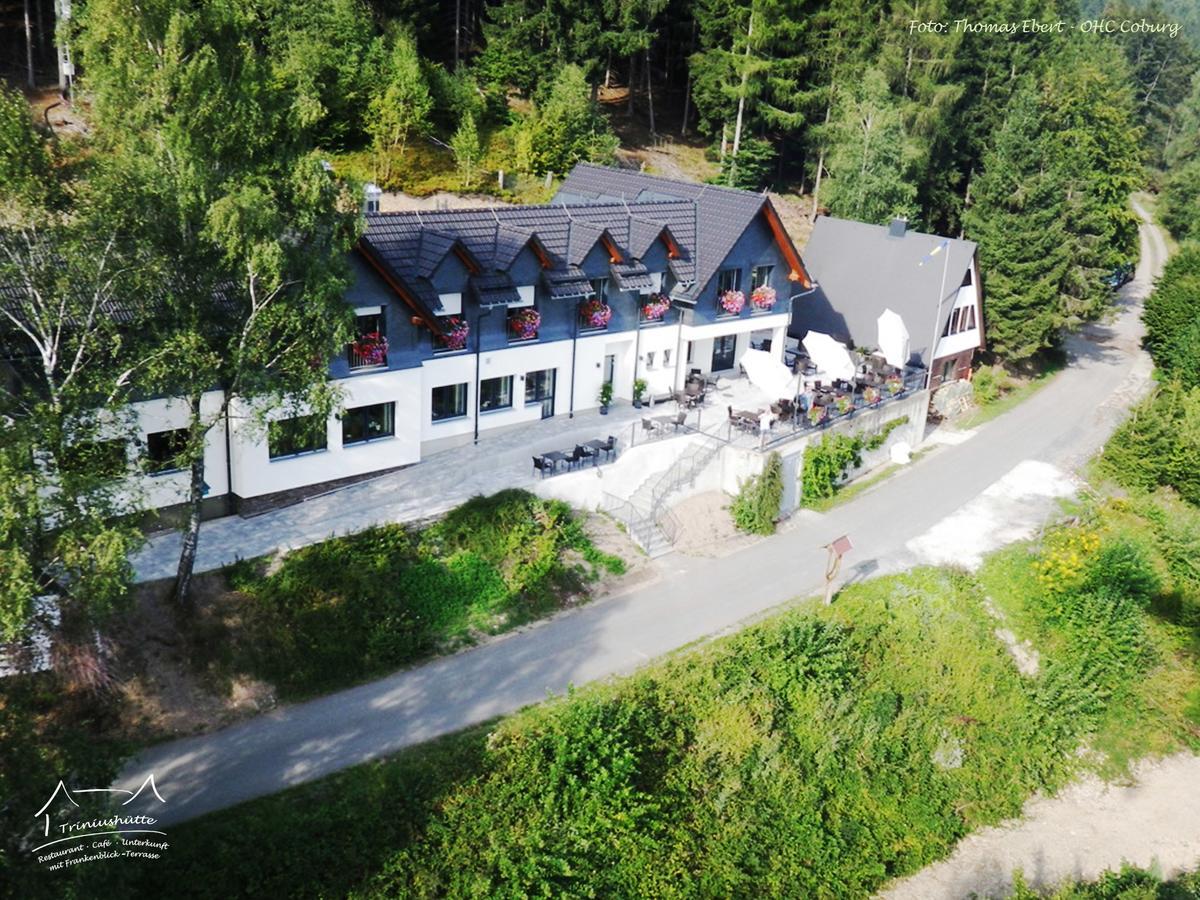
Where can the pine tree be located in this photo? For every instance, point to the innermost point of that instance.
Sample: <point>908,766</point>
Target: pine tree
<point>566,128</point>
<point>1181,187</point>
<point>1017,220</point>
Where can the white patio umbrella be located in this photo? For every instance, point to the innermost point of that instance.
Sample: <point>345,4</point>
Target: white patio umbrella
<point>769,375</point>
<point>829,356</point>
<point>893,338</point>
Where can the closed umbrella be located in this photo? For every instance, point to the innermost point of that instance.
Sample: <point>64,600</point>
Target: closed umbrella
<point>893,338</point>
<point>769,375</point>
<point>829,356</point>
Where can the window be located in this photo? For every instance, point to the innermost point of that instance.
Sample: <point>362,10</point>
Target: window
<point>761,277</point>
<point>370,347</point>
<point>291,437</point>
<point>600,287</point>
<point>163,449</point>
<point>527,293</point>
<point>368,423</point>
<point>100,459</point>
<point>451,304</point>
<point>666,358</point>
<point>539,385</point>
<point>962,319</point>
<point>650,359</point>
<point>449,401</point>
<point>729,280</point>
<point>495,393</point>
<point>967,278</point>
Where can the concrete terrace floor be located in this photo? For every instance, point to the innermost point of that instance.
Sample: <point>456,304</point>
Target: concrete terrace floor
<point>438,483</point>
<point>693,599</point>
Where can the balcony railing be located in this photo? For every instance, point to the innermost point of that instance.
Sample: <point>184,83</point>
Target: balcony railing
<point>360,359</point>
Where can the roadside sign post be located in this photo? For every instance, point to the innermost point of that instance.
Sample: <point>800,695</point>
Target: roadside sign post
<point>838,548</point>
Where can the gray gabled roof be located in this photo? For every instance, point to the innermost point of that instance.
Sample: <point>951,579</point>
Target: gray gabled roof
<point>861,269</point>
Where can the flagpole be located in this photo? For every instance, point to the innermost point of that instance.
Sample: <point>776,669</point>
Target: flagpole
<point>937,321</point>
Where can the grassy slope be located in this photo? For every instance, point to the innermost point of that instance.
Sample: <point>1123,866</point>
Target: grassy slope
<point>818,753</point>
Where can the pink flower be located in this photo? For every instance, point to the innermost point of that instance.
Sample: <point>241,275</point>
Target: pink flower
<point>733,302</point>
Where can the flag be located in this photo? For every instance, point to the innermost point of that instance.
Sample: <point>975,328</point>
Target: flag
<point>935,251</point>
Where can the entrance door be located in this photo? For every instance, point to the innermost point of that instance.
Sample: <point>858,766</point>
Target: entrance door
<point>548,395</point>
<point>539,388</point>
<point>610,368</point>
<point>723,350</point>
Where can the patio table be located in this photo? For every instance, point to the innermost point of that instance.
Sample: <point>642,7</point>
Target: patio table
<point>555,457</point>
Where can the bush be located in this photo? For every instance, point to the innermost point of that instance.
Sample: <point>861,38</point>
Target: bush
<point>826,463</point>
<point>1158,444</point>
<point>1173,319</point>
<point>756,507</point>
<point>342,610</point>
<point>989,384</point>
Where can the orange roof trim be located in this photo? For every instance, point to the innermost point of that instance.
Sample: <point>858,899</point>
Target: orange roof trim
<point>790,254</point>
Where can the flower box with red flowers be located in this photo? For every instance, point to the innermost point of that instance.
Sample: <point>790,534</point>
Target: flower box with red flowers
<point>370,349</point>
<point>455,336</point>
<point>732,302</point>
<point>655,307</point>
<point>524,323</point>
<point>595,313</point>
<point>893,384</point>
<point>763,297</point>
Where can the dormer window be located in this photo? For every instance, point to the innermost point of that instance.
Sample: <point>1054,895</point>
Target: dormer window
<point>761,277</point>
<point>729,280</point>
<point>371,196</point>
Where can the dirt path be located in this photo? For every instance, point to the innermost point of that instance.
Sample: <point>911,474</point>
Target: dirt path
<point>1087,829</point>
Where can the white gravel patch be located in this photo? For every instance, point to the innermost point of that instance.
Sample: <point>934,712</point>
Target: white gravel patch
<point>1089,828</point>
<point>1010,510</point>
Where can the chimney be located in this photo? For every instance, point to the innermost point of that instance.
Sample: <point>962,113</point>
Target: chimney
<point>371,195</point>
<point>898,227</point>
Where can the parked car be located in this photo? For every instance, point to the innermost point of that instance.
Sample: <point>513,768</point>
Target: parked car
<point>1122,274</point>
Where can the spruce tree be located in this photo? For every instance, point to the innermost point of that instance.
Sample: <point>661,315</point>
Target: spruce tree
<point>1018,221</point>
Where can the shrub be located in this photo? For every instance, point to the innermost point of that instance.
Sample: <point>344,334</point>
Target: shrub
<point>1173,321</point>
<point>756,507</point>
<point>826,463</point>
<point>345,609</point>
<point>1159,443</point>
<point>989,384</point>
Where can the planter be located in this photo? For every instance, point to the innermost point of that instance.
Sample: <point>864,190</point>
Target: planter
<point>604,410</point>
<point>732,302</point>
<point>655,307</point>
<point>524,324</point>
<point>370,349</point>
<point>456,334</point>
<point>763,297</point>
<point>595,313</point>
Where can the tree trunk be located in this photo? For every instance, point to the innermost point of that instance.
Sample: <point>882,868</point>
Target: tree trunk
<point>632,80</point>
<point>457,30</point>
<point>687,87</point>
<point>195,501</point>
<point>649,93</point>
<point>29,77</point>
<point>820,165</point>
<point>741,108</point>
<point>608,71</point>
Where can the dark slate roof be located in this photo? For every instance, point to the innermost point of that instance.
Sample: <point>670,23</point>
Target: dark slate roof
<point>494,289</point>
<point>492,239</point>
<point>568,283</point>
<point>860,270</point>
<point>631,276</point>
<point>722,214</point>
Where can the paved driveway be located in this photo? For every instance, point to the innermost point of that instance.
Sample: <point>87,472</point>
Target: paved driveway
<point>1062,424</point>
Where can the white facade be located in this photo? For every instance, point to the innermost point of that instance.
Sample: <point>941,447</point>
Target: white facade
<point>967,297</point>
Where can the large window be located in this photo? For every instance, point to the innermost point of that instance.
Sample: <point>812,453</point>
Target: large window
<point>368,423</point>
<point>962,319</point>
<point>370,348</point>
<point>539,385</point>
<point>449,401</point>
<point>291,437</point>
<point>163,449</point>
<point>761,277</point>
<point>729,280</point>
<point>600,287</point>
<point>495,393</point>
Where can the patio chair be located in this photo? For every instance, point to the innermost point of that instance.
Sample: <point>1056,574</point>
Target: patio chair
<point>576,456</point>
<point>540,465</point>
<point>649,426</point>
<point>609,447</point>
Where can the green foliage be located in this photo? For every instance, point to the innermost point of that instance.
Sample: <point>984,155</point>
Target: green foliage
<point>871,158</point>
<point>564,129</point>
<point>858,742</point>
<point>826,463</point>
<point>1172,317</point>
<point>467,150</point>
<point>989,384</point>
<point>756,507</point>
<point>24,161</point>
<point>1128,883</point>
<point>342,610</point>
<point>401,108</point>
<point>750,168</point>
<point>1159,443</point>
